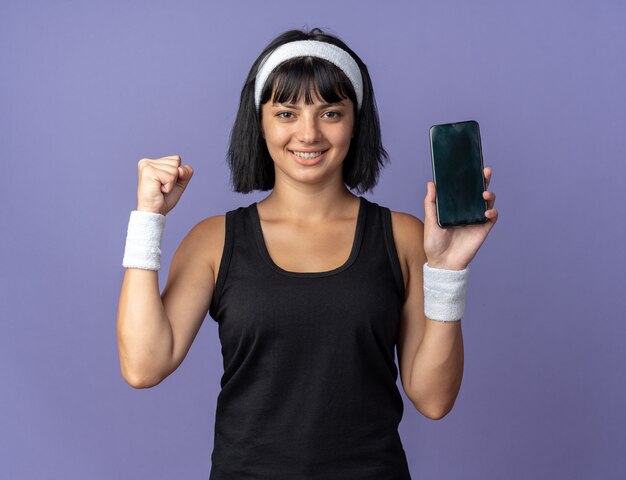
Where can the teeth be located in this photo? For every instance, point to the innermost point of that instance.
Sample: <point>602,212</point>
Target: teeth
<point>307,155</point>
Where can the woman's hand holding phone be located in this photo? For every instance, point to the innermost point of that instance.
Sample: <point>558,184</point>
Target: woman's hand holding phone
<point>453,248</point>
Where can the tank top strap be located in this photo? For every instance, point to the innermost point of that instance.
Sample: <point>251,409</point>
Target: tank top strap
<point>241,254</point>
<point>379,243</point>
<point>229,240</point>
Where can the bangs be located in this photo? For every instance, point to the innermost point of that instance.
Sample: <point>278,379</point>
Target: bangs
<point>310,76</point>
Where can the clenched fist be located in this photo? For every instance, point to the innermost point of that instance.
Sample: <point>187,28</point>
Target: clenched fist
<point>161,183</point>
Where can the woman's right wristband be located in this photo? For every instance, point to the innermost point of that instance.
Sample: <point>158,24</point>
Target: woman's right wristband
<point>143,240</point>
<point>444,293</point>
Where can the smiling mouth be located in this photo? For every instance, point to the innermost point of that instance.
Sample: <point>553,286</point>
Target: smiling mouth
<point>308,155</point>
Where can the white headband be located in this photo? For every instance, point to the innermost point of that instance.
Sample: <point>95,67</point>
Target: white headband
<point>312,48</point>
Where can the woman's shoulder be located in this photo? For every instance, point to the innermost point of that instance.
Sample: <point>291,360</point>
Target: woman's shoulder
<point>408,236</point>
<point>406,222</point>
<point>206,240</point>
<point>407,228</point>
<point>211,232</point>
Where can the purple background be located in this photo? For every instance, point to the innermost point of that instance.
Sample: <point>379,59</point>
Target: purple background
<point>89,88</point>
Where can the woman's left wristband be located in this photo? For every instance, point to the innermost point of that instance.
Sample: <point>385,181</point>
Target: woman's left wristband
<point>444,293</point>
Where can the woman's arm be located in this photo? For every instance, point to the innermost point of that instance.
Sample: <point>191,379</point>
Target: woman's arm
<point>430,353</point>
<point>434,351</point>
<point>144,333</point>
<point>154,331</point>
<point>437,369</point>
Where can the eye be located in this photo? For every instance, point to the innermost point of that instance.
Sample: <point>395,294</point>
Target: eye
<point>333,114</point>
<point>284,114</point>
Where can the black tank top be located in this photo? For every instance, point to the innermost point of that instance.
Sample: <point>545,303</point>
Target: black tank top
<point>309,385</point>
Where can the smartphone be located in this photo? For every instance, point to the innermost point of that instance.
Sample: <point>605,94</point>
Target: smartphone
<point>457,162</point>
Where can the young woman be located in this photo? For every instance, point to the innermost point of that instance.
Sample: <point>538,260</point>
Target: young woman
<point>312,287</point>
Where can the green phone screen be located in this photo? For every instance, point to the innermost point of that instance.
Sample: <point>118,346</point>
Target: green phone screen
<point>457,163</point>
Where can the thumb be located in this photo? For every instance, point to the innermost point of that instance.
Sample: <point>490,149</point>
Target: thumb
<point>185,173</point>
<point>430,205</point>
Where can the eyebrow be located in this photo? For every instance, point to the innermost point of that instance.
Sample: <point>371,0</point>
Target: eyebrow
<point>295,107</point>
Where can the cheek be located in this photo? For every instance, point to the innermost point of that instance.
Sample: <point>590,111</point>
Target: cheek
<point>276,135</point>
<point>344,136</point>
<point>348,130</point>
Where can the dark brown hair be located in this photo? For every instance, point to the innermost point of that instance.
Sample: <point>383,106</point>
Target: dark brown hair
<point>250,163</point>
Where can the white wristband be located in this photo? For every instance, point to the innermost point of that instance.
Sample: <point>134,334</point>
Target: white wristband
<point>143,240</point>
<point>444,293</point>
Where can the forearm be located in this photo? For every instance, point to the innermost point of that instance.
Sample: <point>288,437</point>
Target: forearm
<point>144,332</point>
<point>437,369</point>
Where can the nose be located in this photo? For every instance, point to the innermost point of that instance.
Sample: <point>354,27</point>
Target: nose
<point>308,129</point>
